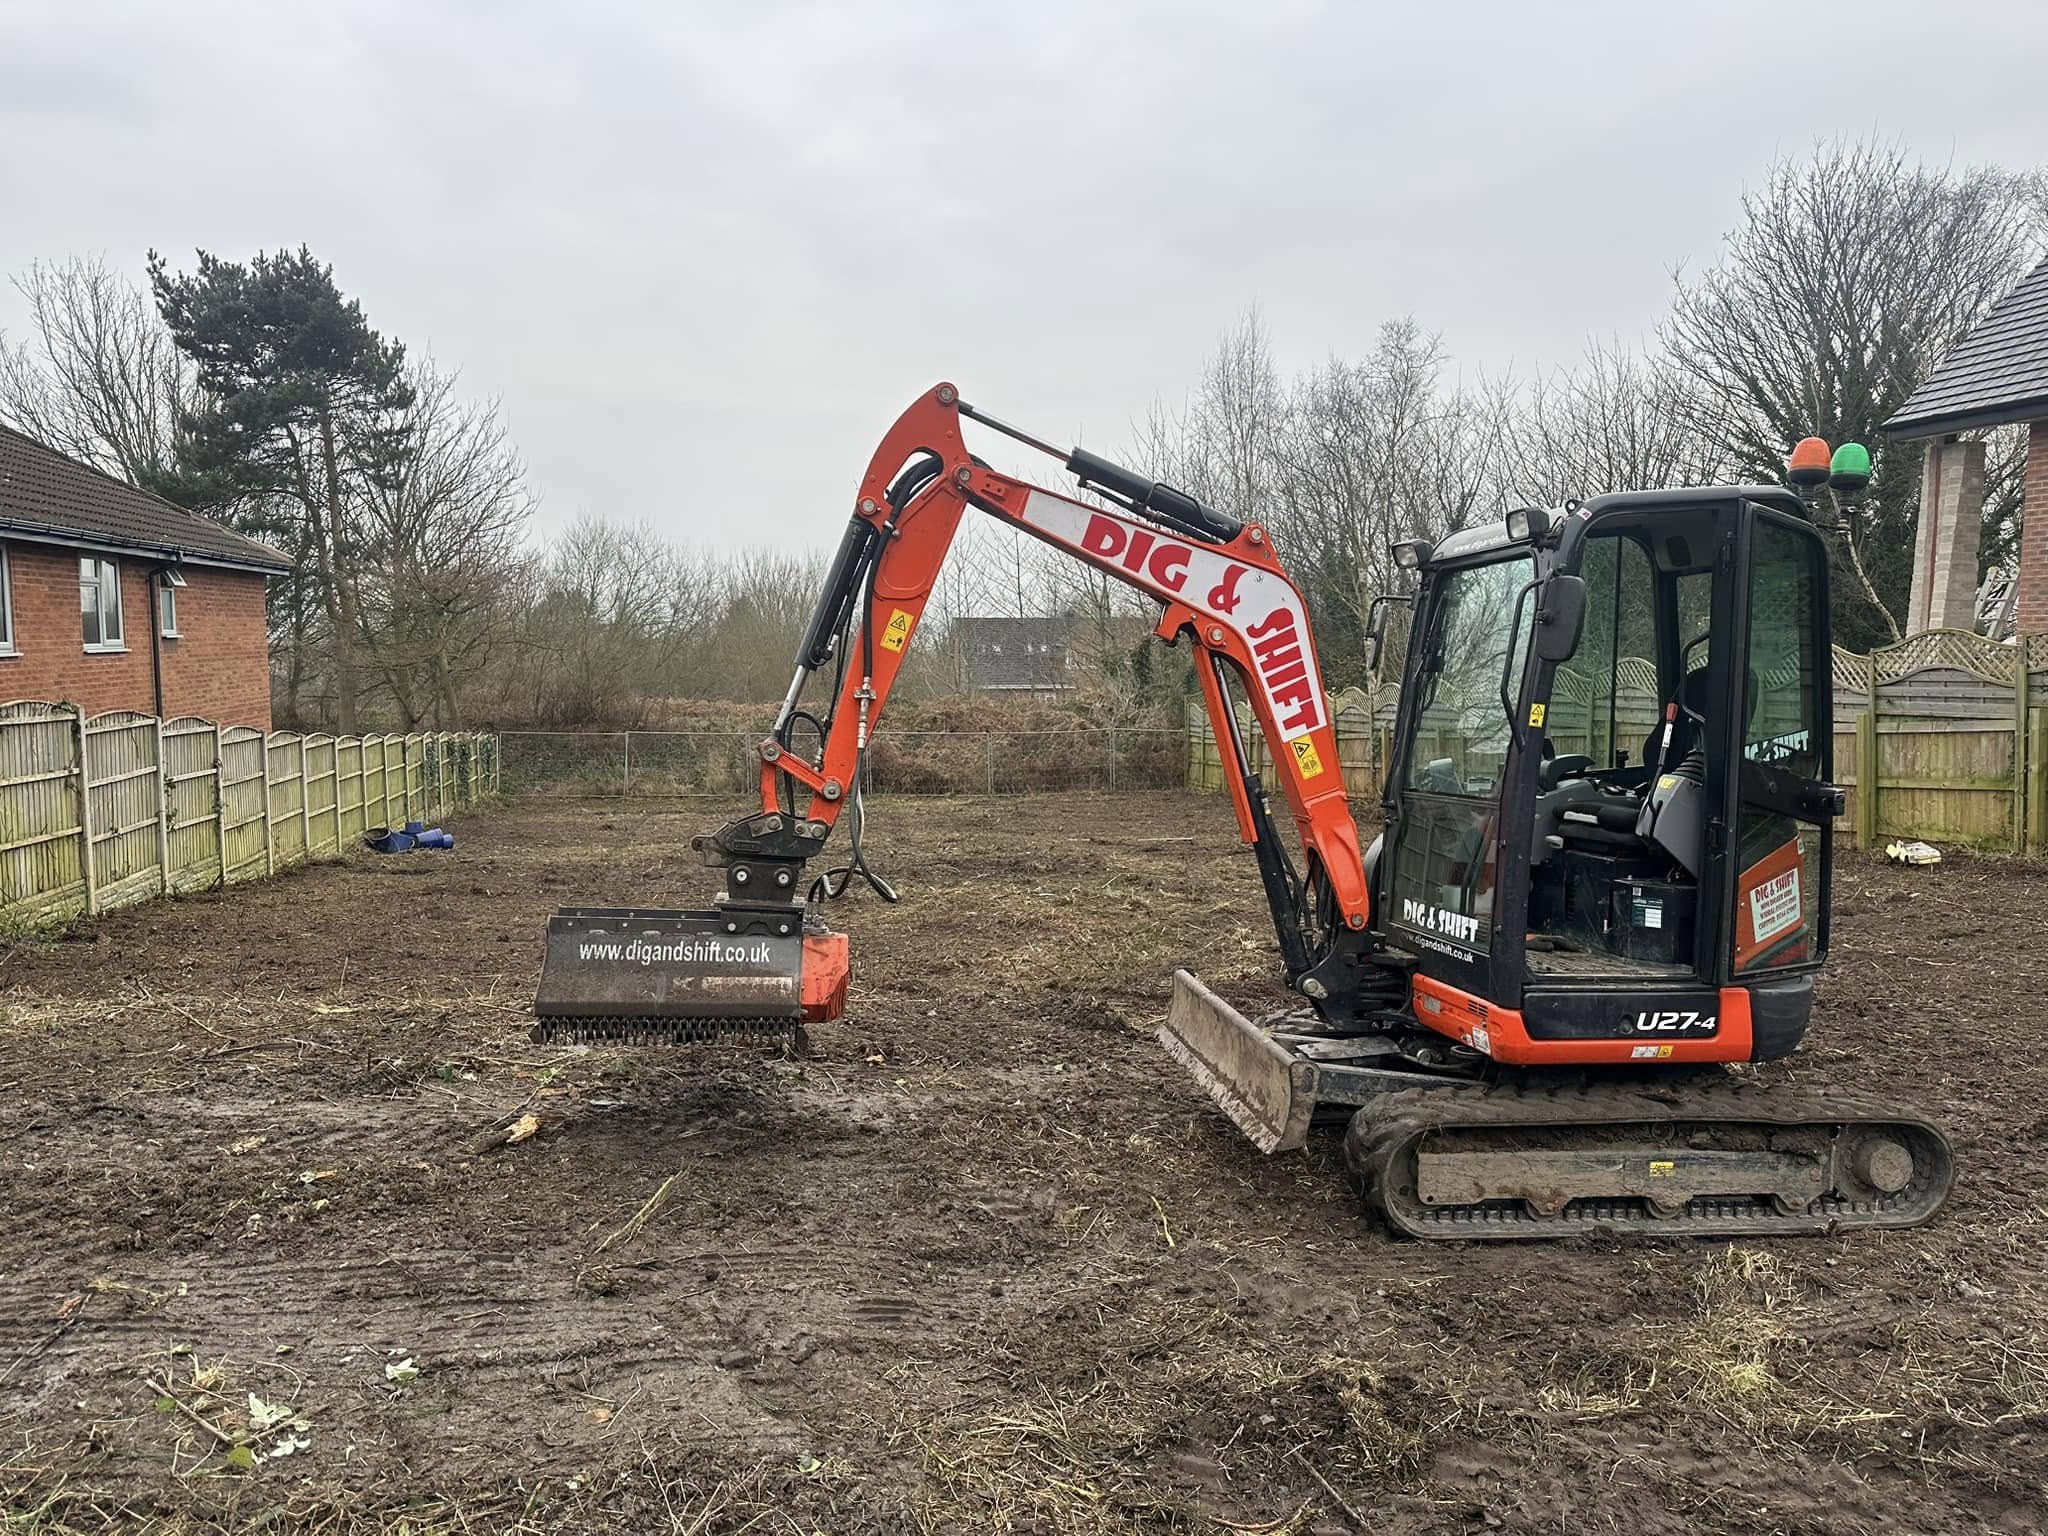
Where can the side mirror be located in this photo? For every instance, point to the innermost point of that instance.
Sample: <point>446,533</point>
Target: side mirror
<point>1376,629</point>
<point>1560,615</point>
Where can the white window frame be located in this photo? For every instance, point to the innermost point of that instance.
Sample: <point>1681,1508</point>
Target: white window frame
<point>168,584</point>
<point>7,647</point>
<point>103,646</point>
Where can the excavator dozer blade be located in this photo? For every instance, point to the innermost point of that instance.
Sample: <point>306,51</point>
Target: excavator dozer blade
<point>1260,1083</point>
<point>642,976</point>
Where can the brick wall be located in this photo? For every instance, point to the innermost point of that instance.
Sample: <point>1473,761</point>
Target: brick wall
<point>2032,617</point>
<point>219,667</point>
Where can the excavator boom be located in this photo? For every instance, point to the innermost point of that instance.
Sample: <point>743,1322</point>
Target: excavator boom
<point>748,964</point>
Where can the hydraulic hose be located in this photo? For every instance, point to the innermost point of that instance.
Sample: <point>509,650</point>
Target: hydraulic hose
<point>833,882</point>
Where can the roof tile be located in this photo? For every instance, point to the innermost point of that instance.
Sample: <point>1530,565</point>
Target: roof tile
<point>43,493</point>
<point>1997,372</point>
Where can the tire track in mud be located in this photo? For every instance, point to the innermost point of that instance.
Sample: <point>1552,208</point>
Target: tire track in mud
<point>696,1330</point>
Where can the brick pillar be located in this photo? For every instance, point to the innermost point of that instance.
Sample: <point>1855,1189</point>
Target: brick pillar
<point>1945,550</point>
<point>2033,579</point>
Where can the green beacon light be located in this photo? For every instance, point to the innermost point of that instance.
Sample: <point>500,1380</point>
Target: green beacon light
<point>1849,470</point>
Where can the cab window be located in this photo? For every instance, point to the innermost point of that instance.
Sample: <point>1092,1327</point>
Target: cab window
<point>1605,701</point>
<point>1473,662</point>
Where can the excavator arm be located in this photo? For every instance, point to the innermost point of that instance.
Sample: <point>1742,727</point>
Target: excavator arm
<point>1219,584</point>
<point>761,961</point>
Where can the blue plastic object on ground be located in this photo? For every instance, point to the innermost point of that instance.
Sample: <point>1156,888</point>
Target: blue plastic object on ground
<point>434,837</point>
<point>414,828</point>
<point>384,840</point>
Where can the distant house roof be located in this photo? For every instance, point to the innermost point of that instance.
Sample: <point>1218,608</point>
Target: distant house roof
<point>1997,373</point>
<point>1014,653</point>
<point>47,497</point>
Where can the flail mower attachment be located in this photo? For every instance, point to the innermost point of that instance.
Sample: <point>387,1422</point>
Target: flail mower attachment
<point>748,967</point>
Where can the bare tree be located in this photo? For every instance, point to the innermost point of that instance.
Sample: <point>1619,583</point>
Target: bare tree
<point>442,546</point>
<point>764,600</point>
<point>1618,421</point>
<point>96,376</point>
<point>608,625</point>
<point>1850,275</point>
<point>1374,452</point>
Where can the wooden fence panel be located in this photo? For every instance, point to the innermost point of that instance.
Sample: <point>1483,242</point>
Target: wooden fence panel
<point>242,793</point>
<point>191,804</point>
<point>348,789</point>
<point>1944,784</point>
<point>415,778</point>
<point>390,812</point>
<point>323,836</point>
<point>287,801</point>
<point>41,867</point>
<point>126,807</point>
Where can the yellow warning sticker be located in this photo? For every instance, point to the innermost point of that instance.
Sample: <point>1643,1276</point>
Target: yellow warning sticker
<point>1306,758</point>
<point>1660,1169</point>
<point>897,630</point>
<point>1535,714</point>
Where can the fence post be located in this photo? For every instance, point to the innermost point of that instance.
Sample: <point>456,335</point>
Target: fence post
<point>1866,779</point>
<point>163,811</point>
<point>305,802</point>
<point>2021,753</point>
<point>269,838</point>
<point>988,743</point>
<point>220,805</point>
<point>92,899</point>
<point>2037,779</point>
<point>626,784</point>
<point>1112,759</point>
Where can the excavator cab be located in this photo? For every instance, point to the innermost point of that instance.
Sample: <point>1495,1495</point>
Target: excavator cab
<point>1604,874</point>
<point>1609,810</point>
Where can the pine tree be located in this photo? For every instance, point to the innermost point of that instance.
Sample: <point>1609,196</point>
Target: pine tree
<point>303,410</point>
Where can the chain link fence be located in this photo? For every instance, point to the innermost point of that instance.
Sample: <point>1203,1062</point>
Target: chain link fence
<point>572,765</point>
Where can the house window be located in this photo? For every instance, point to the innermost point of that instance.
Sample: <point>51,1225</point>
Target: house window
<point>167,585</point>
<point>99,603</point>
<point>6,607</point>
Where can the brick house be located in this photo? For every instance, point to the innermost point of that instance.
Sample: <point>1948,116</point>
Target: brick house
<point>1997,374</point>
<point>112,598</point>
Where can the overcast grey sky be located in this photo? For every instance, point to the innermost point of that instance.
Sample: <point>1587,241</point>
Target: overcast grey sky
<point>705,252</point>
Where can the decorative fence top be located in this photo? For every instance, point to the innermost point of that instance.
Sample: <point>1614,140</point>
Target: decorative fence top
<point>1957,650</point>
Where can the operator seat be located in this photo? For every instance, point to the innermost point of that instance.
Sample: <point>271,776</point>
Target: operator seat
<point>1674,814</point>
<point>1661,756</point>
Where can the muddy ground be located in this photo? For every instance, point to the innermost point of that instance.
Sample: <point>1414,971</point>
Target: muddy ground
<point>984,1262</point>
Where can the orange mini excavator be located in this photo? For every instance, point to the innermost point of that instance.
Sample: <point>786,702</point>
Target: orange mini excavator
<point>1604,875</point>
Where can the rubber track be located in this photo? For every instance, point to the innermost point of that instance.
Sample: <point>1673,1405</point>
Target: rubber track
<point>1383,1139</point>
